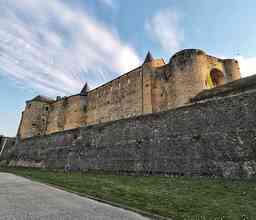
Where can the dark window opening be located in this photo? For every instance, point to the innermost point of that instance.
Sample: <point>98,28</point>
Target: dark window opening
<point>215,78</point>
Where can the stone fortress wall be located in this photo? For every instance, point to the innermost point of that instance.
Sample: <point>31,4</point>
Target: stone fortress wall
<point>153,87</point>
<point>214,136</point>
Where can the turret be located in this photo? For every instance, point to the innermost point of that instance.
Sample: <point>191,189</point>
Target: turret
<point>187,75</point>
<point>34,118</point>
<point>149,58</point>
<point>85,89</point>
<point>150,61</point>
<point>232,69</point>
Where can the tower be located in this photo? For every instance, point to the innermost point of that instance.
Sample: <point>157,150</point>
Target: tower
<point>34,117</point>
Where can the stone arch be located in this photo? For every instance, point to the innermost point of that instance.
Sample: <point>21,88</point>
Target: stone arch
<point>215,78</point>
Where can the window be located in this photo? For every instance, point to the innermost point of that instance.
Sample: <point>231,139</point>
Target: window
<point>47,108</point>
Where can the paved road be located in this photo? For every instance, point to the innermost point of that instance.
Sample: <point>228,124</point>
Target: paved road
<point>22,199</point>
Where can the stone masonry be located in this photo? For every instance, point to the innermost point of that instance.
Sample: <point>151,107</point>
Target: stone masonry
<point>215,135</point>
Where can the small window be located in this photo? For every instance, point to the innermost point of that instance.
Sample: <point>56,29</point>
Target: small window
<point>47,108</point>
<point>34,125</point>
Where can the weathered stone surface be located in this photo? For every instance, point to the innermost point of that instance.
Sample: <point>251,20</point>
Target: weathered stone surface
<point>216,137</point>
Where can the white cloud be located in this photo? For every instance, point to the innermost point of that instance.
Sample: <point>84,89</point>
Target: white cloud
<point>164,28</point>
<point>53,48</point>
<point>247,65</point>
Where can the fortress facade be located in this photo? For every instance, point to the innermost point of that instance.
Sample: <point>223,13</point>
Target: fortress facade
<point>194,116</point>
<point>154,86</point>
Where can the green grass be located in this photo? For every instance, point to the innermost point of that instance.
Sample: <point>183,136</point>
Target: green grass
<point>181,198</point>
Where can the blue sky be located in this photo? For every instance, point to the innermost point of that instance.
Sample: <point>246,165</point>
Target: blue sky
<point>51,47</point>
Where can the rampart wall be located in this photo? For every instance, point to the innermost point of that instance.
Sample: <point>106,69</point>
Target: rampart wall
<point>214,137</point>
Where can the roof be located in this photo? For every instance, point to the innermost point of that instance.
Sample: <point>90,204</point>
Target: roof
<point>85,89</point>
<point>149,58</point>
<point>40,98</point>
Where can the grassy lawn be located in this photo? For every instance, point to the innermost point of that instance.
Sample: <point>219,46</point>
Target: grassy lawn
<point>181,198</point>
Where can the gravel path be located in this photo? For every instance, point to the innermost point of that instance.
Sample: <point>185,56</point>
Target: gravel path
<point>22,199</point>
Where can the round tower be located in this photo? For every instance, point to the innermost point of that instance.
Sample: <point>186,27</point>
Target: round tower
<point>232,69</point>
<point>188,72</point>
<point>192,71</point>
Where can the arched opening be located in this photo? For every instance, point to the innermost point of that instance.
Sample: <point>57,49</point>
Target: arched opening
<point>215,78</point>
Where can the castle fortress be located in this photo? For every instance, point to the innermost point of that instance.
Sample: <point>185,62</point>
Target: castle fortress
<point>152,87</point>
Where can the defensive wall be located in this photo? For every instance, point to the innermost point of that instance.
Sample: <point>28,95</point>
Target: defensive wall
<point>215,136</point>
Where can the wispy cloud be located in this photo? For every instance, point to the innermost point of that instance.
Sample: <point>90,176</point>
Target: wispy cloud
<point>53,48</point>
<point>165,29</point>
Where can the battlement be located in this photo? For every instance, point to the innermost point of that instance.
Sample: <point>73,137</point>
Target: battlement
<point>152,87</point>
